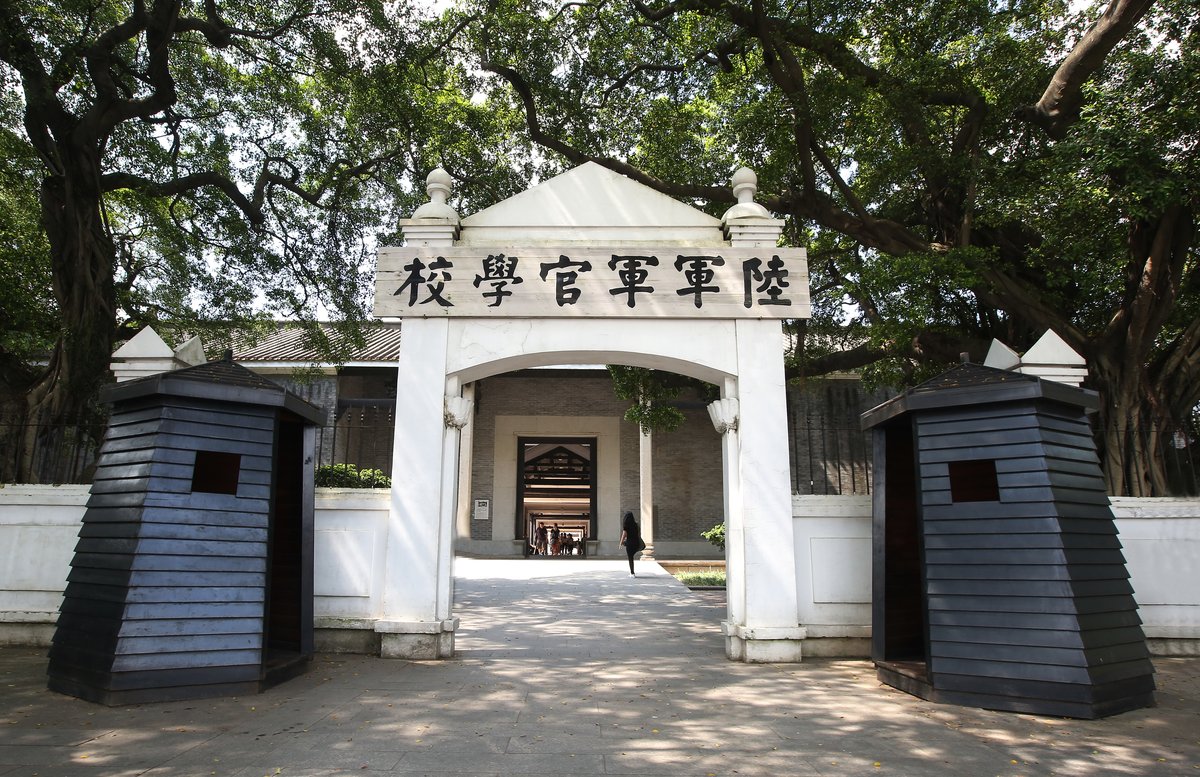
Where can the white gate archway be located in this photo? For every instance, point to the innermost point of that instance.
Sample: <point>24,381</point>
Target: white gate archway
<point>441,354</point>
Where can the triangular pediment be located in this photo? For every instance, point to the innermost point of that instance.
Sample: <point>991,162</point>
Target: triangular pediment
<point>146,344</point>
<point>1052,349</point>
<point>591,202</point>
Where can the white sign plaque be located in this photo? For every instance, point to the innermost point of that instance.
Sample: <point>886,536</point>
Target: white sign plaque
<point>482,509</point>
<point>623,282</point>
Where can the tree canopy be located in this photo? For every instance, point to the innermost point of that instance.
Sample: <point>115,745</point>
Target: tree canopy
<point>198,164</point>
<point>959,171</point>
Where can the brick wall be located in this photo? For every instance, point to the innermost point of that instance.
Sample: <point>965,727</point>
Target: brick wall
<point>688,496</point>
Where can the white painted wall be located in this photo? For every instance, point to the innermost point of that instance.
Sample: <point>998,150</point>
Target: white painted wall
<point>832,539</point>
<point>38,527</point>
<point>350,543</point>
<point>832,536</point>
<point>1161,540</point>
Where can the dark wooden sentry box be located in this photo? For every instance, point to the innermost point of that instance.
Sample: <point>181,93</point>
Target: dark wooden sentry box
<point>192,576</point>
<point>998,575</point>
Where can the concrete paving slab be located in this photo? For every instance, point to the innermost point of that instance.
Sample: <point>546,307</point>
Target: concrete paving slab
<point>572,667</point>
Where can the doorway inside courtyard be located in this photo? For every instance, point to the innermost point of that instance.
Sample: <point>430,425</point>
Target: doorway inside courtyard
<point>556,495</point>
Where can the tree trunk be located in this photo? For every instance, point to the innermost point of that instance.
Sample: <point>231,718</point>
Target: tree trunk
<point>60,408</point>
<point>1134,371</point>
<point>1131,458</point>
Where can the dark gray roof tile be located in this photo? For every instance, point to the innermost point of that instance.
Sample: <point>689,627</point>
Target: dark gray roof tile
<point>288,343</point>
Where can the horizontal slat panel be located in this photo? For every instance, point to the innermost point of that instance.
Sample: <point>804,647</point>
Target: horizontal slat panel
<point>211,502</point>
<point>193,608</point>
<point>200,645</point>
<point>168,531</point>
<point>160,683</point>
<point>195,594</point>
<point>1010,556</point>
<point>1019,653</point>
<point>222,512</point>
<point>983,668</point>
<point>1049,539</point>
<point>189,626</point>
<point>1099,515</point>
<point>227,415</point>
<point>1031,588</point>
<point>1056,572</point>
<point>1028,620</point>
<point>175,579</point>
<point>143,662</point>
<point>145,562</point>
<point>190,443</point>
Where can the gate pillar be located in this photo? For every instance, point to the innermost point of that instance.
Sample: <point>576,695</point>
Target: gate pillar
<point>763,621</point>
<point>416,622</point>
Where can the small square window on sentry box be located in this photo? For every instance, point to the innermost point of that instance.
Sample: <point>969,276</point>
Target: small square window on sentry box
<point>974,481</point>
<point>216,472</point>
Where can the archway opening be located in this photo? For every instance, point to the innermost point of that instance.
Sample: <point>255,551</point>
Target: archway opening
<point>552,445</point>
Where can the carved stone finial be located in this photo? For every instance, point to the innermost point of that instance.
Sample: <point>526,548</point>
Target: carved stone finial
<point>438,186</point>
<point>745,186</point>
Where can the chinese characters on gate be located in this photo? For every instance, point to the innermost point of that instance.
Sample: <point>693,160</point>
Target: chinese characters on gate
<point>632,279</point>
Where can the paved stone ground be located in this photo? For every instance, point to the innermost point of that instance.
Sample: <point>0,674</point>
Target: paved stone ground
<point>569,667</point>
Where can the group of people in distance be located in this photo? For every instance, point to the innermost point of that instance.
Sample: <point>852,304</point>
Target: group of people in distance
<point>555,542</point>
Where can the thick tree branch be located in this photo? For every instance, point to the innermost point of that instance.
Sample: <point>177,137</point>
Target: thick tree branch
<point>1025,301</point>
<point>1159,250</point>
<point>44,113</point>
<point>250,208</point>
<point>838,361</point>
<point>655,14</point>
<point>99,55</point>
<point>788,75</point>
<point>1060,104</point>
<point>1181,361</point>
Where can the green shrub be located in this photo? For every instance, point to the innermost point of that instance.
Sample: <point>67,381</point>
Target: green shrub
<point>716,535</point>
<point>350,476</point>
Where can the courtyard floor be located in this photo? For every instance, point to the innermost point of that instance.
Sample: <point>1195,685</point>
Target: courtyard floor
<point>571,667</point>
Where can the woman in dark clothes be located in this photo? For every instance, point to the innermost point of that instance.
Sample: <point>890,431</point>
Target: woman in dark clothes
<point>631,538</point>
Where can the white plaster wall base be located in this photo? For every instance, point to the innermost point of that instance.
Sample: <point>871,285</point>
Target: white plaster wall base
<point>780,645</point>
<point>356,636</point>
<point>38,529</point>
<point>416,640</point>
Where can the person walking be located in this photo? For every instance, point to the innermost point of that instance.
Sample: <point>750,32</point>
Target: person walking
<point>631,538</point>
